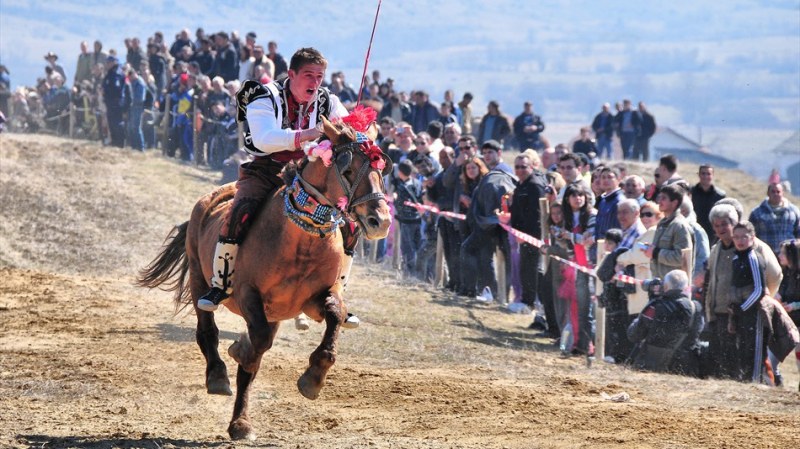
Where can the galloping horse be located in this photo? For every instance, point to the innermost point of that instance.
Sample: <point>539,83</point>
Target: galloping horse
<point>290,262</point>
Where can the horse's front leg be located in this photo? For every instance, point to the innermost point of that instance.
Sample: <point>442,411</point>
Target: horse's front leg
<point>321,360</point>
<point>248,352</point>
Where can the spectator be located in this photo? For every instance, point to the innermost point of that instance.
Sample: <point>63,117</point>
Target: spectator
<point>226,62</point>
<point>718,286</point>
<point>649,215</point>
<point>471,172</point>
<point>776,219</point>
<point>158,68</point>
<point>422,112</point>
<point>408,188</point>
<point>667,173</point>
<point>704,195</point>
<point>56,105</point>
<point>83,69</point>
<point>749,279</point>
<point>246,61</point>
<point>397,110</point>
<point>672,236</point>
<point>346,94</point>
<point>700,239</point>
<point>465,110</point>
<point>525,217</point>
<point>568,168</point>
<point>435,130</point>
<point>614,300</point>
<point>443,195</point>
<point>608,202</point>
<point>603,127</point>
<point>204,57</point>
<point>585,144</point>
<point>789,292</point>
<point>447,114</point>
<point>641,146</point>
<point>551,280</point>
<point>549,159</point>
<point>138,90</point>
<point>135,55</point>
<point>633,186</point>
<point>668,329</point>
<point>260,59</point>
<point>494,125</point>
<point>576,287</point>
<point>51,59</point>
<point>181,40</point>
<point>452,134</point>
<point>281,68</point>
<point>527,127</point>
<point>117,101</point>
<point>628,125</point>
<point>486,235</point>
<point>98,57</point>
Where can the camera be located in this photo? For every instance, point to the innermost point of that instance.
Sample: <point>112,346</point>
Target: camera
<point>653,288</point>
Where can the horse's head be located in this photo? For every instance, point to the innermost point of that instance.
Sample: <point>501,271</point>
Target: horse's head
<point>354,180</point>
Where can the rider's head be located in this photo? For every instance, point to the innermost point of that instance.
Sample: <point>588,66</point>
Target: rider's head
<point>306,73</point>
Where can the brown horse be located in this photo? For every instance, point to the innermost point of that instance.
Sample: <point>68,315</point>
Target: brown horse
<point>282,269</point>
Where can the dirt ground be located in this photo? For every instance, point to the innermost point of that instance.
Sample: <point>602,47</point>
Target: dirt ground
<point>88,360</point>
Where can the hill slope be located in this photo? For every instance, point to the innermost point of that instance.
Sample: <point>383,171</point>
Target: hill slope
<point>87,360</point>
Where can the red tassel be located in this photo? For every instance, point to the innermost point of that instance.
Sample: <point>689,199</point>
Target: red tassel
<point>360,118</point>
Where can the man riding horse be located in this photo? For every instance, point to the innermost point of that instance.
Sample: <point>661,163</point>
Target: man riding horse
<point>279,118</point>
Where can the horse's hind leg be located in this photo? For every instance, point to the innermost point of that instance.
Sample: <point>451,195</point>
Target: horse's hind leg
<point>321,360</point>
<point>248,352</point>
<point>207,336</point>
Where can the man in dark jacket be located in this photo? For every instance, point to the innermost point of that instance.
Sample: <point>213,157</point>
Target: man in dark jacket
<point>226,63</point>
<point>603,127</point>
<point>115,94</point>
<point>704,195</point>
<point>158,68</point>
<point>527,127</point>
<point>408,188</point>
<point>641,146</point>
<point>628,124</point>
<point>668,329</point>
<point>423,112</point>
<point>525,217</point>
<point>479,247</point>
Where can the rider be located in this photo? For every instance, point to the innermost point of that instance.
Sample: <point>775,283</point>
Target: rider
<point>279,117</point>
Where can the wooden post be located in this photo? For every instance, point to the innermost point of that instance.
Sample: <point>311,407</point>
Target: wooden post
<point>544,215</point>
<point>195,135</point>
<point>439,267</point>
<point>71,120</point>
<point>600,313</point>
<point>165,125</point>
<point>397,258</point>
<point>502,282</point>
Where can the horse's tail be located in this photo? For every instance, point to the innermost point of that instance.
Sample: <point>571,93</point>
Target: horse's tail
<point>169,269</point>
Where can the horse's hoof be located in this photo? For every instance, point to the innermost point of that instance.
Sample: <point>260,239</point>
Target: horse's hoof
<point>301,323</point>
<point>308,388</point>
<point>241,430</point>
<point>217,382</point>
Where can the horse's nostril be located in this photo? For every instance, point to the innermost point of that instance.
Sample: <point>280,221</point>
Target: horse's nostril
<point>373,222</point>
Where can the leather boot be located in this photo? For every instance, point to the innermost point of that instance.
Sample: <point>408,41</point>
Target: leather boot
<point>222,277</point>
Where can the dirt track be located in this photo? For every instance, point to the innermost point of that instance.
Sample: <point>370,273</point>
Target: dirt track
<point>87,360</point>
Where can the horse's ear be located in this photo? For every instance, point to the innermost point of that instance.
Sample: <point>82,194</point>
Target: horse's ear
<point>372,131</point>
<point>329,130</point>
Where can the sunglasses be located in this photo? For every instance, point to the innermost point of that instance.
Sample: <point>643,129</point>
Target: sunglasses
<point>521,167</point>
<point>648,214</point>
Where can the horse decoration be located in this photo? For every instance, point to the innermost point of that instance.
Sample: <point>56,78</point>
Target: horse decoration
<point>291,261</point>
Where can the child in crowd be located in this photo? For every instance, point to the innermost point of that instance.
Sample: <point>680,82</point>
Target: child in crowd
<point>744,319</point>
<point>551,279</point>
<point>408,188</point>
<point>789,291</point>
<point>614,300</point>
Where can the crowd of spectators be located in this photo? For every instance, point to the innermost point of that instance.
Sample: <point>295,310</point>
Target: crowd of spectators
<point>719,286</point>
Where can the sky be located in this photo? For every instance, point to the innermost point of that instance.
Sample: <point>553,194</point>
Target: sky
<point>699,63</point>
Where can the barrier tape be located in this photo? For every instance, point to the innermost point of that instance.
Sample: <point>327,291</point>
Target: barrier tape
<point>527,239</point>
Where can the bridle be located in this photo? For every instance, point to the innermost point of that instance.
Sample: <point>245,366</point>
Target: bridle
<point>328,215</point>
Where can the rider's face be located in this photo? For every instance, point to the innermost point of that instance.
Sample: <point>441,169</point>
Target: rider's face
<point>306,81</point>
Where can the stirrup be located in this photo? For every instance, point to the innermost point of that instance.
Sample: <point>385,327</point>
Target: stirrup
<point>352,322</point>
<point>210,301</point>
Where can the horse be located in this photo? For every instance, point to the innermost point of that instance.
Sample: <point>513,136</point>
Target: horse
<point>288,263</point>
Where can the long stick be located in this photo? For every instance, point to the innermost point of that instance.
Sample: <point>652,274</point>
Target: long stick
<point>369,49</point>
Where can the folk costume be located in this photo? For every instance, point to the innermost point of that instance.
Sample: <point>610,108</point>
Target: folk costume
<point>273,122</point>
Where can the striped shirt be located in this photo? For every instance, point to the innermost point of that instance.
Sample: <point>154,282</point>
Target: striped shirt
<point>630,235</point>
